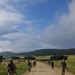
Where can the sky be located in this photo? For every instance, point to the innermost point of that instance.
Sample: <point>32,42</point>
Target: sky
<point>28,25</point>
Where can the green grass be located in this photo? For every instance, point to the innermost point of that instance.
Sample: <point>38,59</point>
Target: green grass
<point>3,69</point>
<point>42,57</point>
<point>21,68</point>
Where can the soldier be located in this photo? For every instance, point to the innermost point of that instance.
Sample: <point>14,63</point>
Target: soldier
<point>29,66</point>
<point>49,62</point>
<point>11,68</point>
<point>63,67</point>
<point>52,64</point>
<point>34,63</point>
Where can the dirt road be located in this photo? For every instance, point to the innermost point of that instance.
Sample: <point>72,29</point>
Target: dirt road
<point>44,69</point>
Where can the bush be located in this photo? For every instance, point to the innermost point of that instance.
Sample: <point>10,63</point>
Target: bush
<point>43,59</point>
<point>15,57</point>
<point>58,57</point>
<point>29,58</point>
<point>1,58</point>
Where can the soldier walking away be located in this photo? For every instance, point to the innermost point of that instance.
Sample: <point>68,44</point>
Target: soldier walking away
<point>34,63</point>
<point>49,62</point>
<point>11,68</point>
<point>52,64</point>
<point>29,66</point>
<point>63,67</point>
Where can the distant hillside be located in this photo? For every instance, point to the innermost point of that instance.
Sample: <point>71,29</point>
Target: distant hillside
<point>7,54</point>
<point>43,52</point>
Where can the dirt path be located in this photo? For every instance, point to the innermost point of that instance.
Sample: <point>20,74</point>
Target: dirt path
<point>44,69</point>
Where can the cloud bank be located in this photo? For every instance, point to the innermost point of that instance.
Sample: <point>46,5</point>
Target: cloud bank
<point>62,34</point>
<point>11,39</point>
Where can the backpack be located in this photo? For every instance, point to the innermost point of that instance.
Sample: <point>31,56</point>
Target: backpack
<point>10,68</point>
<point>63,64</point>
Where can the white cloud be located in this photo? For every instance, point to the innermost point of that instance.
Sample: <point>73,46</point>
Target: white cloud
<point>62,34</point>
<point>5,46</point>
<point>4,4</point>
<point>9,17</point>
<point>19,42</point>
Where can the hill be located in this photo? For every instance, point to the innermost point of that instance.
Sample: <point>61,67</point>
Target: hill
<point>7,54</point>
<point>40,52</point>
<point>44,52</point>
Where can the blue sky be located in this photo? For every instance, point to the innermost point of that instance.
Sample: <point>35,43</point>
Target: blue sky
<point>43,13</point>
<point>46,10</point>
<point>27,25</point>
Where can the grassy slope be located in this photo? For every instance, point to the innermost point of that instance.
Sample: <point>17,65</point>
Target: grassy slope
<point>21,68</point>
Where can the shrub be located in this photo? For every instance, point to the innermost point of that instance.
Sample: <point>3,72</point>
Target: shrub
<point>58,57</point>
<point>15,57</point>
<point>1,58</point>
<point>29,58</point>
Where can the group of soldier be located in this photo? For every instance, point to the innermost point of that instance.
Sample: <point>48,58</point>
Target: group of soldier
<point>11,67</point>
<point>63,66</point>
<point>50,62</point>
<point>30,65</point>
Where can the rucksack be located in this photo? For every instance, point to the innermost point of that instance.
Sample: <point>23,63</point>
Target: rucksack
<point>63,64</point>
<point>10,67</point>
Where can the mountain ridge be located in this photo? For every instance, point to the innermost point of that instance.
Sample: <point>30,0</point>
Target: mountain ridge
<point>40,52</point>
<point>43,52</point>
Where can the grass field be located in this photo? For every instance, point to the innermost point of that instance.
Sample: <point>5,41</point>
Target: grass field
<point>21,68</point>
<point>70,62</point>
<point>42,57</point>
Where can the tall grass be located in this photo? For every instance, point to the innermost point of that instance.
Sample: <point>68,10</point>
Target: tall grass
<point>21,68</point>
<point>3,69</point>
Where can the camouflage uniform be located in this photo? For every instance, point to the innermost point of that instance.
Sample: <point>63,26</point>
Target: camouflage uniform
<point>11,68</point>
<point>52,64</point>
<point>34,63</point>
<point>63,67</point>
<point>29,66</point>
<point>49,62</point>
